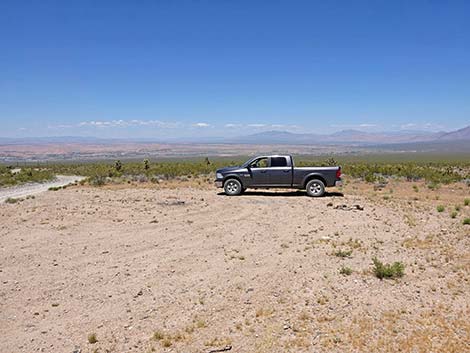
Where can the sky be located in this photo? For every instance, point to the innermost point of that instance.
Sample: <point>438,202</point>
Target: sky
<point>176,68</point>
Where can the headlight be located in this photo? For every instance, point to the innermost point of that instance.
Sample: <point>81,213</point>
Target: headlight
<point>219,176</point>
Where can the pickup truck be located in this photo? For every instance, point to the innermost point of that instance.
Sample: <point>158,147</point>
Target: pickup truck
<point>277,172</point>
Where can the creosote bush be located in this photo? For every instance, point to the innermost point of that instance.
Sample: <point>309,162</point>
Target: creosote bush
<point>381,270</point>
<point>440,208</point>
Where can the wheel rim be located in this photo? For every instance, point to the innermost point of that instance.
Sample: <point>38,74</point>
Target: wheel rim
<point>315,188</point>
<point>232,187</point>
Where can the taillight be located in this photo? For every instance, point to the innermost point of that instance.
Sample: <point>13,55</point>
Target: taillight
<point>338,173</point>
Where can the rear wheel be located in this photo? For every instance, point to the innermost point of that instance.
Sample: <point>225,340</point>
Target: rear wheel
<point>233,187</point>
<point>315,188</point>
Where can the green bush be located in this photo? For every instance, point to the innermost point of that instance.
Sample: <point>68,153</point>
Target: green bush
<point>381,270</point>
<point>343,253</point>
<point>346,271</point>
<point>440,208</point>
<point>26,175</point>
<point>12,200</point>
<point>466,221</point>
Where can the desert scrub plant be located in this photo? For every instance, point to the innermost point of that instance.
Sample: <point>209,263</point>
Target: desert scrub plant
<point>166,342</point>
<point>466,202</point>
<point>415,188</point>
<point>440,208</point>
<point>466,221</point>
<point>158,335</point>
<point>97,180</point>
<point>453,214</point>
<point>343,253</point>
<point>345,271</point>
<point>92,338</point>
<point>13,200</point>
<point>25,175</point>
<point>381,270</point>
<point>55,188</point>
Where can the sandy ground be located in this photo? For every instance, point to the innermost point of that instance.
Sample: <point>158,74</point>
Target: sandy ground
<point>145,269</point>
<point>36,188</point>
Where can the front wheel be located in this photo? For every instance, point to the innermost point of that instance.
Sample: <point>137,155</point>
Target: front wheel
<point>315,188</point>
<point>233,187</point>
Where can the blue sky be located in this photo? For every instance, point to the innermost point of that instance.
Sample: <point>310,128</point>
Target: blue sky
<point>219,68</point>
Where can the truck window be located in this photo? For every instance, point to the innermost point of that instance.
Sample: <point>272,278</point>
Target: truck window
<point>260,163</point>
<point>278,162</point>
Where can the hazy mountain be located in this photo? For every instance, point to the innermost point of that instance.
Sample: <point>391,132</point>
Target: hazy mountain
<point>461,134</point>
<point>344,137</point>
<point>341,137</point>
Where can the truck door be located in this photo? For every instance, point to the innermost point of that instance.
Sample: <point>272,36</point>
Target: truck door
<point>259,172</point>
<point>280,171</point>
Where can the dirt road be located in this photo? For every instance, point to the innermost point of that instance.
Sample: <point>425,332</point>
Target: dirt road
<point>36,188</point>
<point>189,270</point>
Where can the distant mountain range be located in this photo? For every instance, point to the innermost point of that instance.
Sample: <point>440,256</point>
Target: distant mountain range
<point>344,137</point>
<point>354,137</point>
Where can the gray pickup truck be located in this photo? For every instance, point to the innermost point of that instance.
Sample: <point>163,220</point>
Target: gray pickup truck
<point>277,172</point>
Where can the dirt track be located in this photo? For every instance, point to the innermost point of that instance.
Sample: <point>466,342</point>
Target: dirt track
<point>205,271</point>
<point>36,188</point>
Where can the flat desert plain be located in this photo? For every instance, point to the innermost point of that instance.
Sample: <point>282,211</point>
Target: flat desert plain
<point>182,268</point>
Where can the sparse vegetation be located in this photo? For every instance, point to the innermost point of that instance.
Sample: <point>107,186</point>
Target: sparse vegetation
<point>440,208</point>
<point>158,335</point>
<point>453,214</point>
<point>466,202</point>
<point>346,271</point>
<point>466,221</point>
<point>92,338</point>
<point>343,253</point>
<point>13,200</point>
<point>381,270</point>
<point>380,169</point>
<point>10,177</point>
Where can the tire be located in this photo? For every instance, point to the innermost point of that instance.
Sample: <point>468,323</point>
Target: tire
<point>232,187</point>
<point>315,188</point>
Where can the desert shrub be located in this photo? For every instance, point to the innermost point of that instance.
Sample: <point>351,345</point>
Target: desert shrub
<point>346,271</point>
<point>97,180</point>
<point>381,270</point>
<point>158,335</point>
<point>12,200</point>
<point>466,202</point>
<point>453,214</point>
<point>466,221</point>
<point>440,208</point>
<point>55,188</point>
<point>25,175</point>
<point>343,253</point>
<point>92,338</point>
